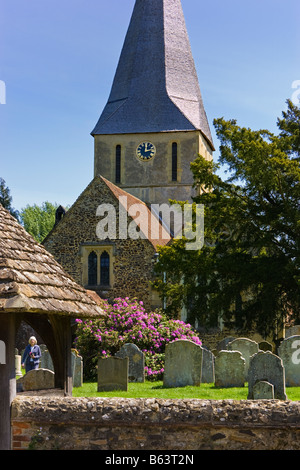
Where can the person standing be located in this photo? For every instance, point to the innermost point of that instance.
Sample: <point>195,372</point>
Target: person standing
<point>31,355</point>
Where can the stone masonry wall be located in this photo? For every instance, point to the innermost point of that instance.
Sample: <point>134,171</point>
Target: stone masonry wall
<point>132,265</point>
<point>154,424</point>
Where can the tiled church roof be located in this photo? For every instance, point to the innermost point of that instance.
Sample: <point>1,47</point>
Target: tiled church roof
<point>146,218</point>
<point>31,281</point>
<point>155,88</point>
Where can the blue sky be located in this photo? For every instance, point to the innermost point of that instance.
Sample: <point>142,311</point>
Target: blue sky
<point>58,59</point>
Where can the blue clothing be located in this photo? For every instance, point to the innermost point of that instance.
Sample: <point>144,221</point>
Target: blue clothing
<point>30,362</point>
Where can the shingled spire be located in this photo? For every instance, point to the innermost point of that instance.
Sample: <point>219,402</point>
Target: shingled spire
<point>155,88</point>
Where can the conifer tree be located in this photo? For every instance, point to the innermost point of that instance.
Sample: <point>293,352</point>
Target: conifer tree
<point>248,272</point>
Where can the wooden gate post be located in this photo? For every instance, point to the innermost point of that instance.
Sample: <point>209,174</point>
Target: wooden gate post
<point>7,377</point>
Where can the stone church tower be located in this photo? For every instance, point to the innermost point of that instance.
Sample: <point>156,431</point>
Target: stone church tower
<point>151,128</point>
<point>154,123</point>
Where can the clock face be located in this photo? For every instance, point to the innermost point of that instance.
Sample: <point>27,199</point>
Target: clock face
<point>145,151</point>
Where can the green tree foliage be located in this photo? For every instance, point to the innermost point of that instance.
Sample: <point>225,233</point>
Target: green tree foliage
<point>39,220</point>
<point>250,263</point>
<point>6,199</point>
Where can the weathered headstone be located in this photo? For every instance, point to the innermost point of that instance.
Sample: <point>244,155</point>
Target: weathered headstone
<point>113,374</point>
<point>263,391</point>
<point>267,367</point>
<point>292,331</point>
<point>183,364</point>
<point>222,345</point>
<point>2,353</point>
<point>18,365</point>
<point>289,352</point>
<point>77,368</point>
<point>265,346</point>
<point>208,367</point>
<point>46,359</point>
<point>247,348</point>
<point>36,379</point>
<point>136,358</point>
<point>43,348</point>
<point>229,369</point>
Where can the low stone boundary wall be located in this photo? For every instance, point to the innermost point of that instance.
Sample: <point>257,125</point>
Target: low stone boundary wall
<point>68,423</point>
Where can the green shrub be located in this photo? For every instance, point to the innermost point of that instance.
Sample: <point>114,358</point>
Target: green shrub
<point>126,321</point>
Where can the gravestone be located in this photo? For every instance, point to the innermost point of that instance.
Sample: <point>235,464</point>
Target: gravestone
<point>289,352</point>
<point>36,379</point>
<point>18,365</point>
<point>222,345</point>
<point>263,391</point>
<point>265,346</point>
<point>76,364</point>
<point>2,353</point>
<point>43,348</point>
<point>267,367</point>
<point>247,348</point>
<point>183,364</point>
<point>77,368</point>
<point>292,331</point>
<point>113,374</point>
<point>46,359</point>
<point>208,366</point>
<point>136,372</point>
<point>229,369</point>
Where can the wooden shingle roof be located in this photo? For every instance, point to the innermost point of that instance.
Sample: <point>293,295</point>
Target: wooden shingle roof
<point>31,280</point>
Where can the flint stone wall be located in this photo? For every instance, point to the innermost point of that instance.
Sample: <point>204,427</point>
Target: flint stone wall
<point>68,423</point>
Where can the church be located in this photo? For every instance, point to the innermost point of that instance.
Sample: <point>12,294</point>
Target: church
<point>152,127</point>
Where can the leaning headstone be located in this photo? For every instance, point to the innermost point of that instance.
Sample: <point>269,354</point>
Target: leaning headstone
<point>112,374</point>
<point>263,391</point>
<point>292,331</point>
<point>265,346</point>
<point>36,379</point>
<point>247,348</point>
<point>208,367</point>
<point>183,364</point>
<point>267,367</point>
<point>136,358</point>
<point>229,369</point>
<point>289,352</point>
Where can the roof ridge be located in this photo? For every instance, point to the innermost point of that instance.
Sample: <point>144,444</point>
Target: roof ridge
<point>165,235</point>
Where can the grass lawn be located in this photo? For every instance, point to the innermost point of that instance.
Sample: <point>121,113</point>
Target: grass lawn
<point>156,390</point>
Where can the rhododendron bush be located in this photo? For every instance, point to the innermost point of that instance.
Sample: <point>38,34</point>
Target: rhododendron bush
<point>126,321</point>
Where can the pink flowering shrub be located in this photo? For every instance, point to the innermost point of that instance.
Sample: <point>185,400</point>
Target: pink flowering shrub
<point>126,321</point>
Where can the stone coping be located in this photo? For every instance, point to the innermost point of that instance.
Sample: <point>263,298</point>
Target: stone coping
<point>163,412</point>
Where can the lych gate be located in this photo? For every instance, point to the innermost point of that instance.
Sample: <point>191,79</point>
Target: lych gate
<point>35,289</point>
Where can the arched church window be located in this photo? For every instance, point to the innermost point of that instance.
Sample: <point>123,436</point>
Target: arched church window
<point>104,269</point>
<point>118,164</point>
<point>92,269</point>
<point>174,161</point>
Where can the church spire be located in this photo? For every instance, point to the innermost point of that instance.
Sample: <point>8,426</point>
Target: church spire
<point>155,88</point>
